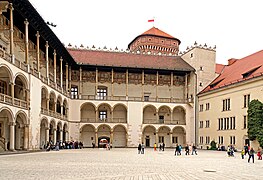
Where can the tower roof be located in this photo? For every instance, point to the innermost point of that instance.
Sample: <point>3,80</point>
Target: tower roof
<point>157,32</point>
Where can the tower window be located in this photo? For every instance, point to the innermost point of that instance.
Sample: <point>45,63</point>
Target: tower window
<point>191,55</point>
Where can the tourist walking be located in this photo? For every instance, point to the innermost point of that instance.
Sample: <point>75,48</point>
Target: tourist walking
<point>246,149</point>
<point>194,150</point>
<point>251,155</point>
<point>163,146</point>
<point>242,153</point>
<point>187,150</point>
<point>154,146</point>
<point>139,148</point>
<point>259,154</point>
<point>142,146</point>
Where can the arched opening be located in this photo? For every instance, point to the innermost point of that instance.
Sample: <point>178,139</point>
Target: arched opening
<point>149,115</point>
<point>52,127</point>
<point>6,117</point>
<point>52,101</point>
<point>179,136</point>
<point>59,104</point>
<point>87,135</point>
<point>59,132</point>
<point>5,79</point>
<point>179,116</point>
<point>43,133</point>
<point>164,136</point>
<point>20,142</point>
<point>20,89</point>
<point>119,138</point>
<point>88,113</point>
<point>65,108</point>
<point>104,132</point>
<point>149,136</point>
<point>164,115</point>
<point>44,97</point>
<point>104,112</point>
<point>119,114</point>
<point>65,133</point>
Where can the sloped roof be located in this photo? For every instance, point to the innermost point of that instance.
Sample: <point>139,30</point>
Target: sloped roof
<point>131,60</point>
<point>243,69</point>
<point>219,68</point>
<point>157,32</point>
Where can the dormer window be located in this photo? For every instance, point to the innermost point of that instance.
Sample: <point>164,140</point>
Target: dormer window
<point>248,73</point>
<point>215,83</point>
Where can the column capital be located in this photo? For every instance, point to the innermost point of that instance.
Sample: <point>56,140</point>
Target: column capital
<point>26,22</point>
<point>10,6</point>
<point>54,52</point>
<point>66,64</point>
<point>47,128</point>
<point>61,59</point>
<point>47,44</point>
<point>11,123</point>
<point>37,34</point>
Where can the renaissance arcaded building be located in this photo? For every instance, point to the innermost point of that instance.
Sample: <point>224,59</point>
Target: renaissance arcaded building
<point>50,92</point>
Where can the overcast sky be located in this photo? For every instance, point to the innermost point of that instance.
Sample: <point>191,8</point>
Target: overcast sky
<point>234,26</point>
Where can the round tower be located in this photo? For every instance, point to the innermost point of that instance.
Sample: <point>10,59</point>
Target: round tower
<point>155,41</point>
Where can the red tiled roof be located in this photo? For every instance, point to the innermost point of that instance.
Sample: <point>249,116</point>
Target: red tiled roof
<point>243,69</point>
<point>219,68</point>
<point>132,60</point>
<point>157,32</point>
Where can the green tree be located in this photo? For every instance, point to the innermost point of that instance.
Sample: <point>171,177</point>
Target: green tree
<point>255,121</point>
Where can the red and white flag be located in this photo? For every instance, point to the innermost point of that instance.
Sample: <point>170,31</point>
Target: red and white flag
<point>151,20</point>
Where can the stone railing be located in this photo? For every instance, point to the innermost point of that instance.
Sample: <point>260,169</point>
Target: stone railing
<point>54,114</point>
<point>17,102</point>
<point>161,121</point>
<point>104,120</point>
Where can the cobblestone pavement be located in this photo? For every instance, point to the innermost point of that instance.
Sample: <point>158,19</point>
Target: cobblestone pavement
<point>126,164</point>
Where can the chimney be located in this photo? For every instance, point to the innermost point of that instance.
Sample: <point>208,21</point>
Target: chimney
<point>231,61</point>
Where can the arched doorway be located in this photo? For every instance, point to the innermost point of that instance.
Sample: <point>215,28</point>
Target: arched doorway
<point>164,136</point>
<point>87,135</point>
<point>149,115</point>
<point>164,115</point>
<point>88,113</point>
<point>119,138</point>
<point>179,136</point>
<point>51,131</point>
<point>5,79</point>
<point>149,136</point>
<point>43,133</point>
<point>179,116</point>
<point>44,97</point>
<point>6,117</point>
<point>119,114</point>
<point>20,89</point>
<point>104,132</point>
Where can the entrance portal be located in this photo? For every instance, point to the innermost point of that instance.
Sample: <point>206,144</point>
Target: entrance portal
<point>102,141</point>
<point>147,141</point>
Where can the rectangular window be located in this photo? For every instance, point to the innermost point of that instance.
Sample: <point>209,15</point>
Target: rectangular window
<point>227,123</point>
<point>246,100</point>
<point>224,123</point>
<point>103,115</point>
<point>234,123</point>
<point>201,139</point>
<point>218,123</point>
<point>161,119</point>
<point>207,106</point>
<point>201,108</point>
<point>161,139</point>
<point>201,124</point>
<point>207,124</point>
<point>74,92</point>
<point>175,140</point>
<point>245,122</point>
<point>146,98</point>
<point>226,104</point>
<point>207,140</point>
<point>102,93</point>
<point>222,140</point>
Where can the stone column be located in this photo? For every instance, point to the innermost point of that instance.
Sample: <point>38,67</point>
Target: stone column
<point>47,67</point>
<point>17,136</point>
<point>156,137</point>
<point>61,73</point>
<point>11,33</point>
<point>186,88</point>
<point>26,136</point>
<point>97,79</point>
<point>61,135</point>
<point>47,135</point>
<point>80,82</point>
<point>157,83</point>
<point>55,67</point>
<point>112,80</point>
<point>143,85</point>
<point>111,137</point>
<point>12,136</point>
<point>37,49</point>
<point>172,83</point>
<point>55,104</point>
<point>13,92</point>
<point>26,41</point>
<point>61,108</point>
<point>55,136</point>
<point>67,78</point>
<point>97,115</point>
<point>47,105</point>
<point>171,139</point>
<point>127,82</point>
<point>96,138</point>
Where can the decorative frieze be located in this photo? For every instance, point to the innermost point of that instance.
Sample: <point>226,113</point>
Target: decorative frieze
<point>89,76</point>
<point>119,78</point>
<point>135,78</point>
<point>104,77</point>
<point>164,80</point>
<point>178,80</point>
<point>150,79</point>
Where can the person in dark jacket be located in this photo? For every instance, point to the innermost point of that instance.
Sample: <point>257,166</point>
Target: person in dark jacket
<point>139,148</point>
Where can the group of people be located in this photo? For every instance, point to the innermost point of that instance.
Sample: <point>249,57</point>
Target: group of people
<point>251,152</point>
<point>50,145</point>
<point>141,148</point>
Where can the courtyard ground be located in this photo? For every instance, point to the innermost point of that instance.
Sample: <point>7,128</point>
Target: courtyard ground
<point>127,164</point>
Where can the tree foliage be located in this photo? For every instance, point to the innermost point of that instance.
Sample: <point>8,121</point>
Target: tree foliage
<point>255,121</point>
